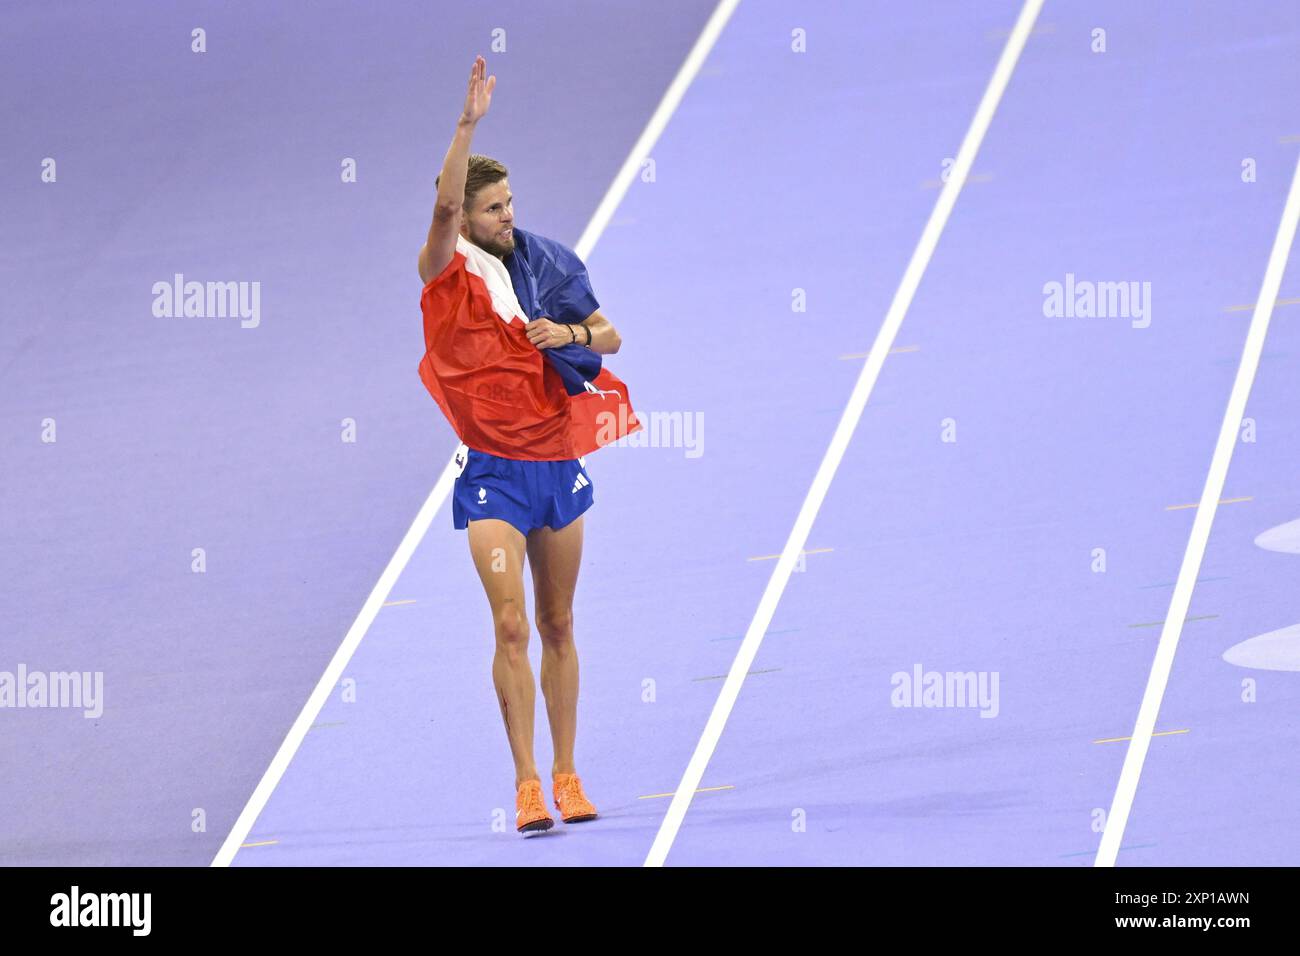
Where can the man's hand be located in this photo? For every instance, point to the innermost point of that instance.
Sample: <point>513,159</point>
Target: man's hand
<point>479,95</point>
<point>546,334</point>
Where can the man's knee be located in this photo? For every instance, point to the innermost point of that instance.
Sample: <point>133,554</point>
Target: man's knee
<point>556,627</point>
<point>512,628</point>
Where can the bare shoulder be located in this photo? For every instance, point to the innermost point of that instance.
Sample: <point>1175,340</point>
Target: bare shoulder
<point>422,263</point>
<point>429,268</point>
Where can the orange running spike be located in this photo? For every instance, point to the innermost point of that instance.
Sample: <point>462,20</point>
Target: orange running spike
<point>572,803</point>
<point>530,808</point>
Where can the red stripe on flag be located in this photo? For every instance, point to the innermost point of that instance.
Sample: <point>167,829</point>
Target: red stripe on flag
<point>599,419</point>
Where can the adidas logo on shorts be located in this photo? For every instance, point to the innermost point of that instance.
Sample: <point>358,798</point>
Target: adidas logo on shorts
<point>581,483</point>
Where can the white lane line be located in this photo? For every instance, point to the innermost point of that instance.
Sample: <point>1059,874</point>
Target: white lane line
<point>433,504</point>
<point>334,672</point>
<point>658,121</point>
<point>843,432</point>
<point>1136,754</point>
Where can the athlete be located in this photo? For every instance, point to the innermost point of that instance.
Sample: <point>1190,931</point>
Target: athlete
<point>513,345</point>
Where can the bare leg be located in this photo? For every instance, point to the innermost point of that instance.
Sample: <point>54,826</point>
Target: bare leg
<point>498,551</point>
<point>554,557</point>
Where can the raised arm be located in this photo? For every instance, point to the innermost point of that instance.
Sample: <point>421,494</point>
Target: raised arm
<point>440,246</point>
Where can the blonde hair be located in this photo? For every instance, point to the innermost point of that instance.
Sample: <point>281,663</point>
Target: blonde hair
<point>483,171</point>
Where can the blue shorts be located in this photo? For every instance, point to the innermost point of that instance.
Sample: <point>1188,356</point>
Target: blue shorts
<point>528,494</point>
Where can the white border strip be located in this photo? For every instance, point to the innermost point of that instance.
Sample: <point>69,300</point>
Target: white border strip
<point>334,672</point>
<point>843,432</point>
<point>1135,756</point>
<point>655,127</point>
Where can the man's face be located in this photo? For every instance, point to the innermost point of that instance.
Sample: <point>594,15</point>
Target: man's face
<point>489,220</point>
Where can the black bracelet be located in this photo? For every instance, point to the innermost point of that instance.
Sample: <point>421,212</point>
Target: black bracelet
<point>573,336</point>
<point>588,331</point>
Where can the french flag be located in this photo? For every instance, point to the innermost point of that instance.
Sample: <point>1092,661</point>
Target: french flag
<point>501,393</point>
<point>549,280</point>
